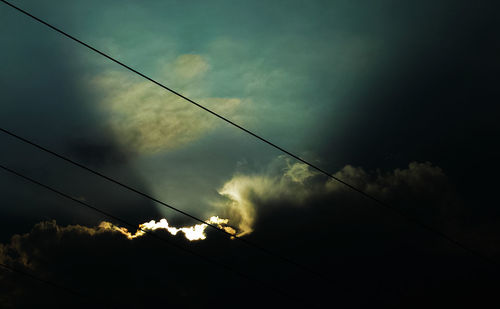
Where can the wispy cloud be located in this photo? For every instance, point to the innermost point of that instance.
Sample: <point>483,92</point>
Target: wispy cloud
<point>148,119</point>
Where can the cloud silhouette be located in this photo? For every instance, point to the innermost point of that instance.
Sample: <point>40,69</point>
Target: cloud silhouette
<point>297,185</point>
<point>286,208</point>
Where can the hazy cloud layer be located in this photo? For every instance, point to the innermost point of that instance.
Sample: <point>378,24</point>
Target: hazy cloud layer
<point>147,118</point>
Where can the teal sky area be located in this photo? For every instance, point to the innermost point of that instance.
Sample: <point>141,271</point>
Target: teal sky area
<point>336,82</point>
<point>290,63</point>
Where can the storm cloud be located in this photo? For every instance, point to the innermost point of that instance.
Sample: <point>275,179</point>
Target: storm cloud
<point>111,270</point>
<point>286,207</point>
<point>289,208</point>
<point>297,185</point>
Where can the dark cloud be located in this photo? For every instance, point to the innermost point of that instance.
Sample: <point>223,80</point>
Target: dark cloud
<point>358,248</point>
<point>97,152</point>
<point>364,248</point>
<point>431,96</point>
<point>101,262</point>
<point>421,190</point>
<point>43,101</point>
<point>368,250</point>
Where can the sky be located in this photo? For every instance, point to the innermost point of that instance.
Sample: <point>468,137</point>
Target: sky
<point>396,98</point>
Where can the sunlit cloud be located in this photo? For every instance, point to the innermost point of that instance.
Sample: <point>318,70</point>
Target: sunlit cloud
<point>147,119</point>
<point>54,233</point>
<point>296,184</point>
<point>286,181</point>
<point>195,232</point>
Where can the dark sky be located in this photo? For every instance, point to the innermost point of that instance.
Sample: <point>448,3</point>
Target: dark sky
<point>399,99</point>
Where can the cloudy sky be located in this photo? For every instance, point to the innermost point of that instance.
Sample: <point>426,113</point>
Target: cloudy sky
<point>399,98</point>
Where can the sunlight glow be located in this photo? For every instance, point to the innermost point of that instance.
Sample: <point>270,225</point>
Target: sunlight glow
<point>195,232</point>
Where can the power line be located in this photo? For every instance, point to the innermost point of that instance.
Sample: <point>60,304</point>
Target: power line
<point>355,189</point>
<point>47,282</point>
<point>117,182</point>
<point>148,232</point>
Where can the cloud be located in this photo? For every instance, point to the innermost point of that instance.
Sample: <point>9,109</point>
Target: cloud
<point>195,232</point>
<point>101,262</point>
<point>190,66</point>
<point>297,185</point>
<point>25,250</point>
<point>417,179</point>
<point>96,151</point>
<point>148,119</point>
<point>293,211</point>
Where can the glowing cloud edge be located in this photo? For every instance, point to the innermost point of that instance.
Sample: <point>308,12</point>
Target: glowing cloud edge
<point>195,232</point>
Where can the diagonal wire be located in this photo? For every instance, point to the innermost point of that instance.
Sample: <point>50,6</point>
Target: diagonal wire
<point>244,240</point>
<point>258,282</point>
<point>315,167</point>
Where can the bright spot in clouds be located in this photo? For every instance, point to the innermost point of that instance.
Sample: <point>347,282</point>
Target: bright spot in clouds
<point>195,232</point>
